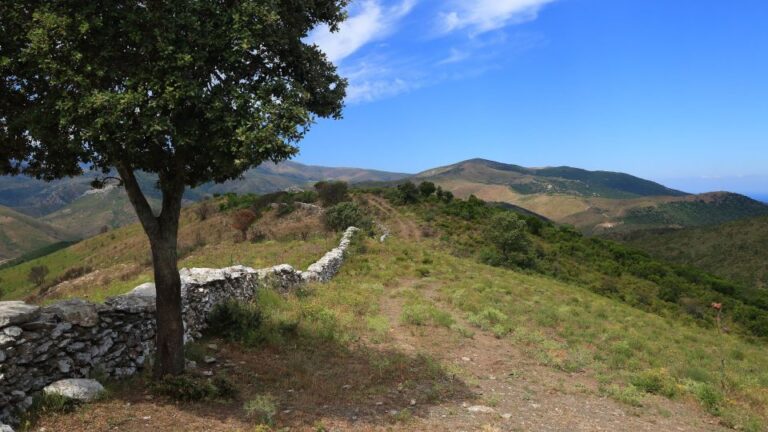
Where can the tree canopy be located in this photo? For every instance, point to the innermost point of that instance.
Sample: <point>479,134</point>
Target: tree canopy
<point>203,89</point>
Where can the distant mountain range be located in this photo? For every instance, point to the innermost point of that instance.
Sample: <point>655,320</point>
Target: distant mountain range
<point>597,202</point>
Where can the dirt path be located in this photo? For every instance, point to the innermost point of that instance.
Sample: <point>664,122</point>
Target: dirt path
<point>399,226</point>
<point>513,393</point>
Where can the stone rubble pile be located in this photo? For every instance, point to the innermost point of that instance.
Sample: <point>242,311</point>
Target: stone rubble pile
<point>73,338</point>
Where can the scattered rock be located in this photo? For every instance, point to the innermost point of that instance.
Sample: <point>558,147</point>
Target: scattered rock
<point>481,409</point>
<point>209,360</point>
<point>5,428</point>
<point>213,347</point>
<point>84,390</point>
<point>413,402</point>
<point>208,373</point>
<point>506,416</point>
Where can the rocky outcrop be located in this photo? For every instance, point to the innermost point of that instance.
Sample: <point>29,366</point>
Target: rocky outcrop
<point>74,338</point>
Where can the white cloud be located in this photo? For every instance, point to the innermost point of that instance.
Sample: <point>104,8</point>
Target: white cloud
<point>369,21</point>
<point>480,16</point>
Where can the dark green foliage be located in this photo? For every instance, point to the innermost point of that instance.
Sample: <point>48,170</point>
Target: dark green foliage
<point>443,195</point>
<point>506,232</point>
<point>407,193</point>
<point>344,215</point>
<point>332,192</point>
<point>427,188</point>
<point>188,388</point>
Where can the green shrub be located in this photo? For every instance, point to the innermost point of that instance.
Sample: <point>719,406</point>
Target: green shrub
<point>262,409</point>
<point>234,320</point>
<point>655,381</point>
<point>709,396</point>
<point>344,215</point>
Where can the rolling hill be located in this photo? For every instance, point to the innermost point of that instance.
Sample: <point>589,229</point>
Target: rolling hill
<point>735,250</point>
<point>73,206</point>
<point>20,233</point>
<point>597,202</point>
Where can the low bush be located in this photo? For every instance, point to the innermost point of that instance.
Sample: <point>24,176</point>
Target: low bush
<point>344,215</point>
<point>262,409</point>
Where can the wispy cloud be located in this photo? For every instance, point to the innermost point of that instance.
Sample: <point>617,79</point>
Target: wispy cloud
<point>479,16</point>
<point>369,21</point>
<point>389,47</point>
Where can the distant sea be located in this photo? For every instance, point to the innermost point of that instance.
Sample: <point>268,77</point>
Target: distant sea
<point>760,197</point>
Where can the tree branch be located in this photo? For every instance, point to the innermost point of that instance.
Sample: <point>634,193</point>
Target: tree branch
<point>139,201</point>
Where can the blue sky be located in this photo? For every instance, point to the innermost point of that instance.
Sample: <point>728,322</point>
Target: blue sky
<point>672,90</point>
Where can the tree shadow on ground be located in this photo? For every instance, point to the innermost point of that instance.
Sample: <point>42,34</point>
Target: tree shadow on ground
<point>310,385</point>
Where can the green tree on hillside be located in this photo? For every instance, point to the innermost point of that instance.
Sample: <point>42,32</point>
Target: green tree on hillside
<point>427,188</point>
<point>331,192</point>
<point>191,91</point>
<point>507,233</point>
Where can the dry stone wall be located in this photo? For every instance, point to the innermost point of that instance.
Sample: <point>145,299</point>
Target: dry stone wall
<point>74,338</point>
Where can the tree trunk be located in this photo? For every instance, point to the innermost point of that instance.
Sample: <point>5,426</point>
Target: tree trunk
<point>170,328</point>
<point>162,232</point>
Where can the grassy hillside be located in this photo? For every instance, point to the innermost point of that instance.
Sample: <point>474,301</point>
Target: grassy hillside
<point>114,262</point>
<point>735,250</point>
<point>20,234</point>
<point>596,202</point>
<point>420,318</point>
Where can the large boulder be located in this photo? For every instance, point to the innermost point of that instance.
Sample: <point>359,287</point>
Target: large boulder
<point>83,390</point>
<point>5,428</point>
<point>17,312</point>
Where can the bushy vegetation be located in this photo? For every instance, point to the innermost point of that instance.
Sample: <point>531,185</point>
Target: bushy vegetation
<point>346,214</point>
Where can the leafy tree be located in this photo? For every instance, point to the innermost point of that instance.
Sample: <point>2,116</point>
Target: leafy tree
<point>37,274</point>
<point>407,193</point>
<point>331,192</point>
<point>507,233</point>
<point>190,91</point>
<point>427,188</point>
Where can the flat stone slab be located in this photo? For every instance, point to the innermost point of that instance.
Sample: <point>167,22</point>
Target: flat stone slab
<point>76,311</point>
<point>83,390</point>
<point>17,312</point>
